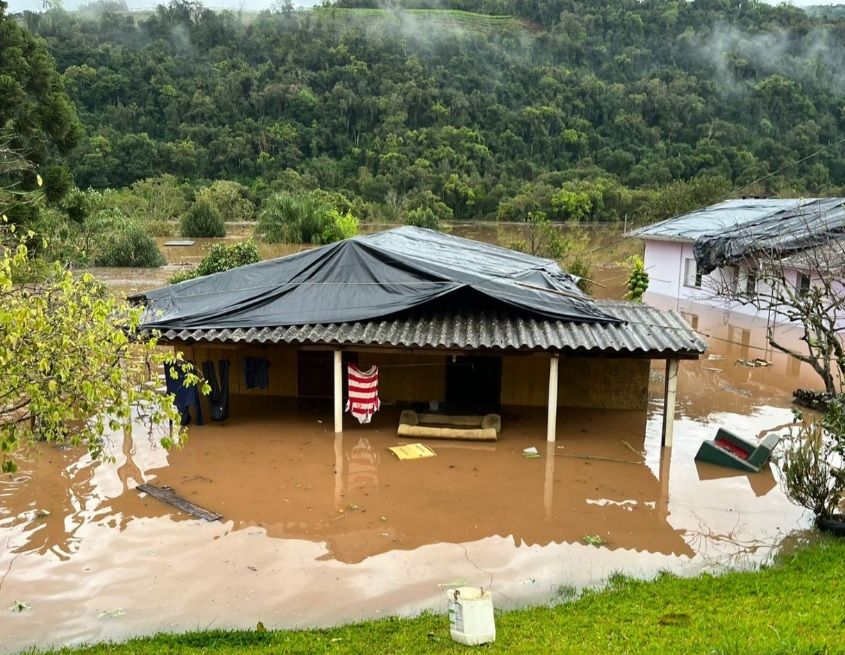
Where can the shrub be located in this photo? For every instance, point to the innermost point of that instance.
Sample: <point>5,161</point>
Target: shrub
<point>288,218</point>
<point>422,217</point>
<point>229,199</point>
<point>221,258</point>
<point>425,209</point>
<point>203,220</point>
<point>580,269</point>
<point>812,472</point>
<point>303,218</point>
<point>339,227</point>
<point>131,246</point>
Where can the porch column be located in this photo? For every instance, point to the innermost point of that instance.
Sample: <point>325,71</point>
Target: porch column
<point>552,422</point>
<point>669,398</point>
<point>338,391</point>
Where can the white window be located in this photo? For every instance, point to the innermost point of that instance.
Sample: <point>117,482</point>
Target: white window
<point>692,278</point>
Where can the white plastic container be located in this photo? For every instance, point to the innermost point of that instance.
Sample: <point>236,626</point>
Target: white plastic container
<point>471,620</point>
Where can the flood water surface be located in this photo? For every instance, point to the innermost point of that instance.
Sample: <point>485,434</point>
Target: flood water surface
<point>320,528</point>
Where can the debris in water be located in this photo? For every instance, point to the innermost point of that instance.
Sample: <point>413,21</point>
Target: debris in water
<point>41,513</point>
<point>113,614</point>
<point>594,540</point>
<point>412,451</point>
<point>531,453</point>
<point>20,606</point>
<point>753,363</point>
<point>167,495</point>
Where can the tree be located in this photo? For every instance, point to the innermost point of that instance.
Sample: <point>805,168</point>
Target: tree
<point>803,288</point>
<point>229,199</point>
<point>34,108</point>
<point>75,366</point>
<point>541,238</point>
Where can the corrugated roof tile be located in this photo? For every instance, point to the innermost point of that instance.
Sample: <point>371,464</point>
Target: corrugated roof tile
<point>646,331</point>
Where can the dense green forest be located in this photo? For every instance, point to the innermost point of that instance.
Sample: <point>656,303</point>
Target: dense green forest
<point>461,109</point>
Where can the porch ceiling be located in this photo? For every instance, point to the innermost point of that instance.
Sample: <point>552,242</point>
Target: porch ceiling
<point>646,331</point>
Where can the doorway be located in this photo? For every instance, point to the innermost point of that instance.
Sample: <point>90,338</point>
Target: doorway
<point>474,383</point>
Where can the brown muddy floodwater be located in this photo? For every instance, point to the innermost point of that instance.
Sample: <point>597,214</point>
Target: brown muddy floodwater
<point>319,529</point>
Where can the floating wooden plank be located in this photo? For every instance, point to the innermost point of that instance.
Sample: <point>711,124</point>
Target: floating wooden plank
<point>169,496</point>
<point>180,242</point>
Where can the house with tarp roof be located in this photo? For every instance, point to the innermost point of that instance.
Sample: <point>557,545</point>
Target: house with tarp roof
<point>700,255</point>
<point>449,322</point>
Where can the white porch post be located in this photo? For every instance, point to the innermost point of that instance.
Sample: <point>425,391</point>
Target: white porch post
<point>669,399</point>
<point>338,391</point>
<point>552,422</point>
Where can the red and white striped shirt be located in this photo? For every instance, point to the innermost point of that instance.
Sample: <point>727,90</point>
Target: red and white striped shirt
<point>363,399</point>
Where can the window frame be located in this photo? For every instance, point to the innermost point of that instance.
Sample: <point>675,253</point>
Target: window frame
<point>695,277</point>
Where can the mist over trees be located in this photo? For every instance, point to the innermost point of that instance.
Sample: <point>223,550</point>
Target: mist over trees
<point>580,110</point>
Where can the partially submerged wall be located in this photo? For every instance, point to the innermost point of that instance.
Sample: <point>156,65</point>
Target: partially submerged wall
<point>590,382</point>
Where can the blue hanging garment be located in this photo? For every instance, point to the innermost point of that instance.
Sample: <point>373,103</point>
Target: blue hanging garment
<point>218,399</point>
<point>185,396</point>
<point>256,373</point>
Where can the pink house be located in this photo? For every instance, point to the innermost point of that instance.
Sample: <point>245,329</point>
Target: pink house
<point>693,258</point>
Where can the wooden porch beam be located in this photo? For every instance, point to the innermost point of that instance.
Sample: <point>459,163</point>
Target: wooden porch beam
<point>338,391</point>
<point>669,400</point>
<point>551,426</point>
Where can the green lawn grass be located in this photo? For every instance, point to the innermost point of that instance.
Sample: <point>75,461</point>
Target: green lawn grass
<point>794,606</point>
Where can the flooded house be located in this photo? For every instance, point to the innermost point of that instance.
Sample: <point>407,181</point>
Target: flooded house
<point>712,256</point>
<point>451,326</point>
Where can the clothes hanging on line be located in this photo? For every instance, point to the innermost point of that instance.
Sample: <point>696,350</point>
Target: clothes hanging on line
<point>218,399</point>
<point>363,399</point>
<point>185,397</point>
<point>256,373</point>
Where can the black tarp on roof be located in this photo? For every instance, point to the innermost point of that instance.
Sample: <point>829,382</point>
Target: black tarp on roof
<point>796,226</point>
<point>370,277</point>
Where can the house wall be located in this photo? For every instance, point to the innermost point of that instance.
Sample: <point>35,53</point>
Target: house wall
<point>282,360</point>
<point>666,265</point>
<point>667,262</point>
<point>405,377</point>
<point>593,382</point>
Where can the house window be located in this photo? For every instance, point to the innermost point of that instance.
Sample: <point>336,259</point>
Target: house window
<point>745,281</point>
<point>750,286</point>
<point>692,277</point>
<point>803,284</point>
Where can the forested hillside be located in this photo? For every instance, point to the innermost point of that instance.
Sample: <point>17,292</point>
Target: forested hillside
<point>477,109</point>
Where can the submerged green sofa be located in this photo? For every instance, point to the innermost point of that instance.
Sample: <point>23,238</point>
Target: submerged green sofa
<point>727,449</point>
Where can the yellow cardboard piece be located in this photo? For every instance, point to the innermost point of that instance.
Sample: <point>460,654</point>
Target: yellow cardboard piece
<point>412,451</point>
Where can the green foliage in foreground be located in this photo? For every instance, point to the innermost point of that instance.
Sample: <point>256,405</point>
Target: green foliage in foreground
<point>796,606</point>
<point>75,365</point>
<point>221,257</point>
